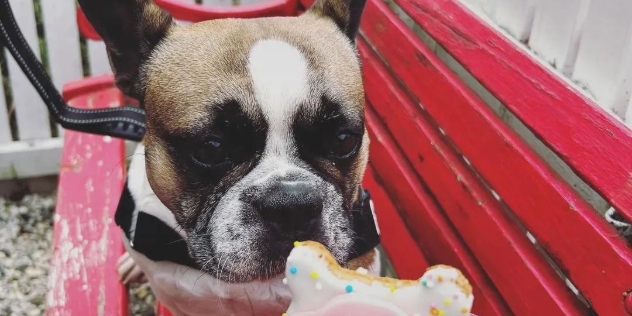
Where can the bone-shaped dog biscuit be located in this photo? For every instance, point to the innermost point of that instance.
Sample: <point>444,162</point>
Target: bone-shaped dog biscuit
<point>315,280</point>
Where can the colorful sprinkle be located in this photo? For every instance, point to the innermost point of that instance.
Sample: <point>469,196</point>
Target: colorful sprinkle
<point>319,286</point>
<point>464,310</point>
<point>456,297</point>
<point>427,283</point>
<point>296,244</point>
<point>392,288</point>
<point>440,278</point>
<point>284,314</point>
<point>285,281</point>
<point>293,270</point>
<point>349,288</point>
<point>436,312</point>
<point>314,275</point>
<point>447,302</point>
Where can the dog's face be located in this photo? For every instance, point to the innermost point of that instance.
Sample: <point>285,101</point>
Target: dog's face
<point>255,128</point>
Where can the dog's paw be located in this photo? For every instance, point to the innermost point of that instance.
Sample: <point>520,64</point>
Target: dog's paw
<point>129,272</point>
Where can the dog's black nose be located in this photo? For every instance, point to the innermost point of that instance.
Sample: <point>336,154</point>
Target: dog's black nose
<point>290,206</point>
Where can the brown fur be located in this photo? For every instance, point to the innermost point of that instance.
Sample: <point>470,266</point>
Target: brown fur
<point>364,261</point>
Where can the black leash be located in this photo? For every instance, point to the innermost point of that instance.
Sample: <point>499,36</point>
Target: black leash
<point>127,122</point>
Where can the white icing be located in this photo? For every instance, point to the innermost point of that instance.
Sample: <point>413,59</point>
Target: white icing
<point>362,270</point>
<point>313,285</point>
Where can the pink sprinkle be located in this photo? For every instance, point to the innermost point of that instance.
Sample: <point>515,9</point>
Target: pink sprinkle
<point>430,277</point>
<point>456,297</point>
<point>433,305</point>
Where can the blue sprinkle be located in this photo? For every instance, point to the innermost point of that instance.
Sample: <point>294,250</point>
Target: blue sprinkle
<point>293,270</point>
<point>349,288</point>
<point>424,283</point>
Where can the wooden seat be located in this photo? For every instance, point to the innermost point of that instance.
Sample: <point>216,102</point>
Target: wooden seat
<point>452,182</point>
<point>86,241</point>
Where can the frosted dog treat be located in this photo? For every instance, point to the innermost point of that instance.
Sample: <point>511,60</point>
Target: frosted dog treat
<point>321,287</point>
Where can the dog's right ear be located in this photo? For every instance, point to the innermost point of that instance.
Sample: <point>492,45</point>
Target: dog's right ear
<point>345,13</point>
<point>130,29</point>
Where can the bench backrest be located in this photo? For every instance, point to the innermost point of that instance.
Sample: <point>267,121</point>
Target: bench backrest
<point>458,185</point>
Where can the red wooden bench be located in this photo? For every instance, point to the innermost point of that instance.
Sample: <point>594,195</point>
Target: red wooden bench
<point>451,181</point>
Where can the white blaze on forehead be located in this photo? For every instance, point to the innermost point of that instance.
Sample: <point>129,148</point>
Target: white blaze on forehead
<point>278,72</point>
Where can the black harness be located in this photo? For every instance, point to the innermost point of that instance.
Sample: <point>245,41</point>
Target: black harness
<point>151,236</point>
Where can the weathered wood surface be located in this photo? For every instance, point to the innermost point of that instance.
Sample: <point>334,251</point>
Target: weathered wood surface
<point>433,232</point>
<point>457,189</point>
<point>86,241</point>
<point>589,140</point>
<point>573,126</point>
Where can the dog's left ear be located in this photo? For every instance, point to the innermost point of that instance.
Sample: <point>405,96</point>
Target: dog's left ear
<point>345,13</point>
<point>131,29</point>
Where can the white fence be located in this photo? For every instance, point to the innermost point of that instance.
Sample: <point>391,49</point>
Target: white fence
<point>587,42</point>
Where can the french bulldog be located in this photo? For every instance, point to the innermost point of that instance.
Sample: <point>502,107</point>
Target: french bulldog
<point>255,138</point>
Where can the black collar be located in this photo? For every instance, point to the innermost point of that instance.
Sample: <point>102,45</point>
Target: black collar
<point>159,242</point>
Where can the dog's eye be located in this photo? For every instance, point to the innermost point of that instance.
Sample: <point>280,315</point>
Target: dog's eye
<point>344,145</point>
<point>210,154</point>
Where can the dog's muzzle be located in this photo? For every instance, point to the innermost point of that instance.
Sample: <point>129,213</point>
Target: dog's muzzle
<point>159,242</point>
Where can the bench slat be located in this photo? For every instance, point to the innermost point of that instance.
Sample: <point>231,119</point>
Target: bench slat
<point>87,243</point>
<point>182,22</point>
<point>306,3</point>
<point>432,231</point>
<point>465,200</point>
<point>564,224</point>
<point>32,118</point>
<point>217,2</point>
<point>394,235</point>
<point>574,127</point>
